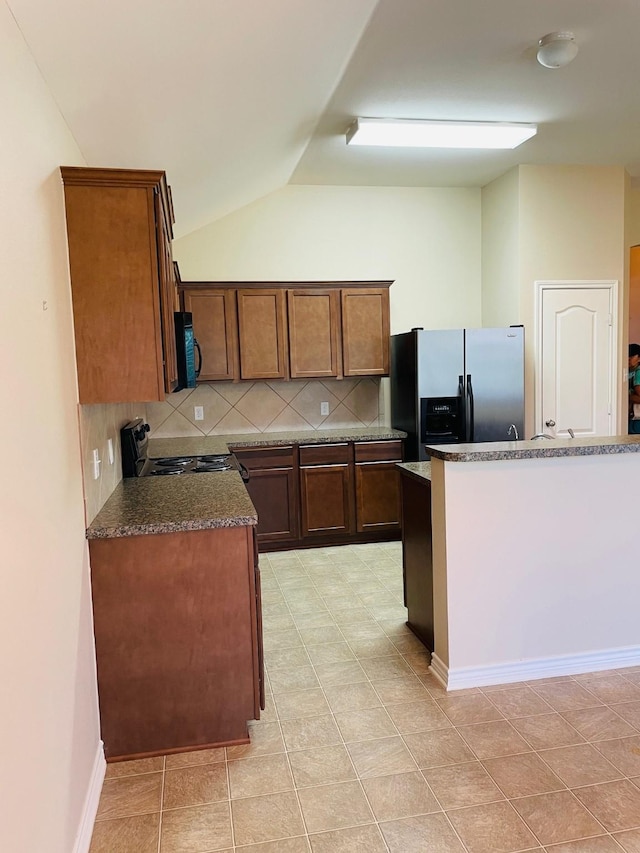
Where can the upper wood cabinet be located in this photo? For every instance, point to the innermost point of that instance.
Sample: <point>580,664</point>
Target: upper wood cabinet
<point>215,323</point>
<point>261,333</point>
<point>291,330</point>
<point>365,331</point>
<point>119,230</point>
<point>313,332</point>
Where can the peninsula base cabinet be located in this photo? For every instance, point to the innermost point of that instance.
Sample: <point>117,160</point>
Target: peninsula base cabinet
<point>417,560</point>
<point>177,620</point>
<point>324,494</point>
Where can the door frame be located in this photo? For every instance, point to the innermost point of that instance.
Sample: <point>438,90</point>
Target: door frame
<point>612,286</point>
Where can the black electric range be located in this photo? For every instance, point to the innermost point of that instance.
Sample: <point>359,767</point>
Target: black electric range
<point>137,463</point>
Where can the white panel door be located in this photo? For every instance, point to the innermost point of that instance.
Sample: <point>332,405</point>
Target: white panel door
<point>576,359</point>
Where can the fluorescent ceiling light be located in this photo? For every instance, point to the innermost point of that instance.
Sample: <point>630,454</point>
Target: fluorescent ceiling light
<point>416,133</point>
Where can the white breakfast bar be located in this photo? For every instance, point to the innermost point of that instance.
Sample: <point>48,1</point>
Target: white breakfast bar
<point>535,557</point>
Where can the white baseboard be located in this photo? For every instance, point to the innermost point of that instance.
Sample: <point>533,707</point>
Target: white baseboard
<point>83,838</point>
<point>459,678</point>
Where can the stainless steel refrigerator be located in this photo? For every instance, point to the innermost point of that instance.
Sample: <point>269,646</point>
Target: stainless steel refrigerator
<point>457,385</point>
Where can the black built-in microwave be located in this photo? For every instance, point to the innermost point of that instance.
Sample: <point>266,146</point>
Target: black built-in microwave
<point>186,348</point>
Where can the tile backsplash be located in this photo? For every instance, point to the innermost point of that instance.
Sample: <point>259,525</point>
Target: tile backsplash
<point>250,407</point>
<point>98,424</point>
<point>227,407</point>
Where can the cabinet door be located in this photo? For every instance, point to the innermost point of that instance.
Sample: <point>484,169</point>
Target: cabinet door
<point>365,332</point>
<point>327,502</point>
<point>377,497</point>
<point>261,332</point>
<point>273,489</point>
<point>313,332</point>
<point>215,329</point>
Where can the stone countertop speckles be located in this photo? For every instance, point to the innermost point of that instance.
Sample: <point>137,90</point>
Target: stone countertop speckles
<point>417,470</point>
<point>144,505</point>
<point>202,445</point>
<point>540,449</point>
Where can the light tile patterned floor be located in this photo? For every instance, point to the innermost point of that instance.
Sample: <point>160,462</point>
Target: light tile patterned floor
<point>360,750</point>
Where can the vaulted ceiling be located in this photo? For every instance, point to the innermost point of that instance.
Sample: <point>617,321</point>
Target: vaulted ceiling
<point>236,98</point>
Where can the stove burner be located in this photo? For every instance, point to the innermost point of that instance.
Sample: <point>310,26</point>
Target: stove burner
<point>212,463</point>
<point>137,463</point>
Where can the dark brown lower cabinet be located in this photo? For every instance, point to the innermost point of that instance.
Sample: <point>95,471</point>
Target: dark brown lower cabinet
<point>326,490</point>
<point>378,504</point>
<point>178,640</point>
<point>417,560</point>
<point>273,489</point>
<point>323,494</point>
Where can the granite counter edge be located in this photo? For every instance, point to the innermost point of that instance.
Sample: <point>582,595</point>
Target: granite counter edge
<point>118,531</point>
<point>546,452</point>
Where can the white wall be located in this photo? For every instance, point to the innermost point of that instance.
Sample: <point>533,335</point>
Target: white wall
<point>500,251</point>
<point>49,732</point>
<point>426,240</point>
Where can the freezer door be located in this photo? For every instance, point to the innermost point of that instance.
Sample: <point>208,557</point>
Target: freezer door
<point>440,362</point>
<point>494,377</point>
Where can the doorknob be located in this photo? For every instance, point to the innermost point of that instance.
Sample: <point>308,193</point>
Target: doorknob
<point>550,423</point>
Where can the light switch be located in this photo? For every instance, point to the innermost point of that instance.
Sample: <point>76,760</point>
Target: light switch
<point>95,462</point>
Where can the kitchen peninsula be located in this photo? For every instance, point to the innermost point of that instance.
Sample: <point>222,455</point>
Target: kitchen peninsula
<point>535,557</point>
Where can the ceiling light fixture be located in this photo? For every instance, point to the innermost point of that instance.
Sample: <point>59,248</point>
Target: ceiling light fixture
<point>417,133</point>
<point>555,50</point>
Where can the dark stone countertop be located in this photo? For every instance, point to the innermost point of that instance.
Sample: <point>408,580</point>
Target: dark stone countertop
<point>147,505</point>
<point>202,445</point>
<point>542,448</point>
<point>416,470</point>
<point>144,505</point>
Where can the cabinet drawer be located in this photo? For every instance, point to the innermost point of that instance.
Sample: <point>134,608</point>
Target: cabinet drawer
<point>265,457</point>
<point>325,454</point>
<point>378,451</point>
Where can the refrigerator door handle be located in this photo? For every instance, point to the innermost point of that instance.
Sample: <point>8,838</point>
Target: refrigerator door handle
<point>469,412</point>
<point>462,428</point>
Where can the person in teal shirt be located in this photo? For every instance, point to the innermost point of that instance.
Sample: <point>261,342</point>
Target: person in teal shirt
<point>634,388</point>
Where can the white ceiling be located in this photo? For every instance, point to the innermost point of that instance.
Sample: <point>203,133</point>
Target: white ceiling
<point>235,98</point>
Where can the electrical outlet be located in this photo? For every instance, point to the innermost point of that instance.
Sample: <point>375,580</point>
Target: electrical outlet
<point>324,408</point>
<point>198,413</point>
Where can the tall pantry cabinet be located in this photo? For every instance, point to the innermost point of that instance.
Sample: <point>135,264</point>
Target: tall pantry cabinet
<point>123,285</point>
